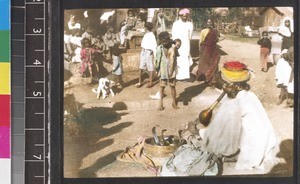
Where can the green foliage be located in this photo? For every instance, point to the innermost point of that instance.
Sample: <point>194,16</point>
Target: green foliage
<point>234,14</point>
<point>200,15</point>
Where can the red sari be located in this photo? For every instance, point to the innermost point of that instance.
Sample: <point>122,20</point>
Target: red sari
<point>209,57</point>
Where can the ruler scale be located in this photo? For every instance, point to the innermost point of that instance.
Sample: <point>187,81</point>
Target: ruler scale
<point>36,120</point>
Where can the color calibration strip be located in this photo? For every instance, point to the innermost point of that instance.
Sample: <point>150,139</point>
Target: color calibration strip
<point>5,92</point>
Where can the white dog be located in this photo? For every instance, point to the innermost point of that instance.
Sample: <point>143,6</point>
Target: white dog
<point>104,88</point>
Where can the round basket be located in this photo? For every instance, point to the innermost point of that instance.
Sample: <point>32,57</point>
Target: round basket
<point>172,143</point>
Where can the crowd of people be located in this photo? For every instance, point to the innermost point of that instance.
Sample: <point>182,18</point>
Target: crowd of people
<point>92,43</point>
<point>246,131</point>
<point>276,47</point>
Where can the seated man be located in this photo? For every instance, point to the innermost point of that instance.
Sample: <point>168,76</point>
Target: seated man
<point>240,125</point>
<point>239,130</point>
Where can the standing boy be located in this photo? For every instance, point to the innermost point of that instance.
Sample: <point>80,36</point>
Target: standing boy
<point>117,69</point>
<point>265,48</point>
<point>166,65</point>
<point>147,54</point>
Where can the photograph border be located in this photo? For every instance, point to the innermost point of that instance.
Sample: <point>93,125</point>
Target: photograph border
<point>56,9</point>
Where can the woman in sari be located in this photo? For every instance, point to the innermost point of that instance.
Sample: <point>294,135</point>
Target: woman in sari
<point>209,55</point>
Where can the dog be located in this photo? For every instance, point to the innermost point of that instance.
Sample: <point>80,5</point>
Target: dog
<point>104,88</point>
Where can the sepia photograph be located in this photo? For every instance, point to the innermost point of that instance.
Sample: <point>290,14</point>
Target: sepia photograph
<point>178,92</point>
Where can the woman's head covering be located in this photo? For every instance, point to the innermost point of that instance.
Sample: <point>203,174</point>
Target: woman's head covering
<point>284,51</point>
<point>184,11</point>
<point>235,71</point>
<point>291,23</point>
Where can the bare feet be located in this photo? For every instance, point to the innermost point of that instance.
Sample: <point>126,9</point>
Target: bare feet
<point>138,85</point>
<point>150,85</point>
<point>161,108</point>
<point>175,106</point>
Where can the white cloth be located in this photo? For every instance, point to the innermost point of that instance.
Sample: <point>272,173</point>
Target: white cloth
<point>88,36</point>
<point>160,24</point>
<point>183,66</point>
<point>122,34</point>
<point>276,41</point>
<point>150,14</point>
<point>290,87</point>
<point>76,40</point>
<point>256,137</point>
<point>285,30</point>
<point>283,72</point>
<point>72,26</point>
<point>77,57</point>
<point>67,38</point>
<point>149,42</point>
<point>183,31</point>
<point>106,15</point>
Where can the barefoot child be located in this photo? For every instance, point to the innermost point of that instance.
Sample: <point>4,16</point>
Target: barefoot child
<point>147,55</point>
<point>117,69</point>
<point>166,65</point>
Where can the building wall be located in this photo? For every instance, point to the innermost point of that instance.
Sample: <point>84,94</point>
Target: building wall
<point>271,18</point>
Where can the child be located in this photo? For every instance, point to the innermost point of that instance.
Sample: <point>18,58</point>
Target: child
<point>265,48</point>
<point>177,44</point>
<point>283,73</point>
<point>147,54</point>
<point>98,58</point>
<point>87,58</point>
<point>110,39</point>
<point>166,65</point>
<point>117,69</point>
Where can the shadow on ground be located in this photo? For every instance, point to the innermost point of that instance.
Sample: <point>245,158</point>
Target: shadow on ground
<point>190,92</point>
<point>85,132</point>
<point>285,153</point>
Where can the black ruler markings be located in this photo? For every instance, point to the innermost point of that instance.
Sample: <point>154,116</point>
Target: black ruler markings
<point>36,128</point>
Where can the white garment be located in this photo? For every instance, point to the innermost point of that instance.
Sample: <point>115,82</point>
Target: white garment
<point>105,16</point>
<point>283,72</point>
<point>255,137</point>
<point>160,25</point>
<point>67,38</point>
<point>150,14</point>
<point>77,57</point>
<point>285,30</point>
<point>258,136</point>
<point>290,87</point>
<point>183,66</point>
<point>183,31</point>
<point>149,42</point>
<point>122,34</point>
<point>75,26</point>
<point>76,40</point>
<point>276,41</point>
<point>88,36</point>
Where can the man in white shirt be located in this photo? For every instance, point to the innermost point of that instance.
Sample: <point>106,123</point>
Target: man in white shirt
<point>147,54</point>
<point>183,30</point>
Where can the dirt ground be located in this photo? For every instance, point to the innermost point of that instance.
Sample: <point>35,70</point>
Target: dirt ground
<point>96,131</point>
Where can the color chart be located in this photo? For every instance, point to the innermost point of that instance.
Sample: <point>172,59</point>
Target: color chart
<point>5,93</point>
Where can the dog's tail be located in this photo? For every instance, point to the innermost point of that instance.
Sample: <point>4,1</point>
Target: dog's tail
<point>94,90</point>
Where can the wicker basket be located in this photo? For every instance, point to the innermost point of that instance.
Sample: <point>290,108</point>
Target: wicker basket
<point>172,144</point>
